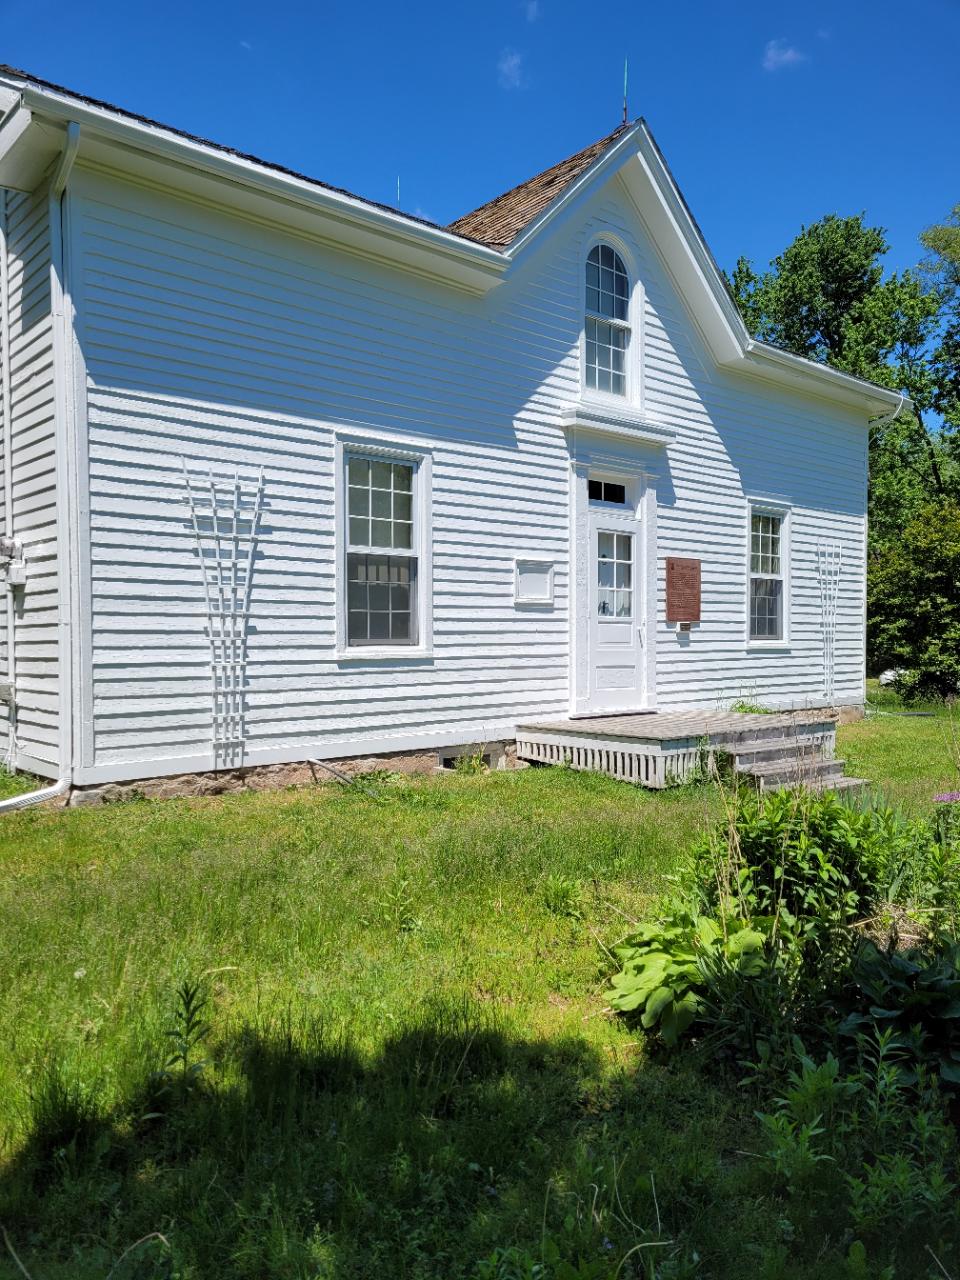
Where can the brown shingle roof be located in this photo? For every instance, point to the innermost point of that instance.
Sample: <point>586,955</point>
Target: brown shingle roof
<point>498,222</point>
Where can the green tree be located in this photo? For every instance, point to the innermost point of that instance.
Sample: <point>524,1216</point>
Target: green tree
<point>913,603</point>
<point>943,244</point>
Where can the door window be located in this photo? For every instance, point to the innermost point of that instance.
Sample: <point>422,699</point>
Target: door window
<point>614,575</point>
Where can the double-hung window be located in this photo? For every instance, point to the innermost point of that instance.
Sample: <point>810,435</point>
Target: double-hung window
<point>381,551</point>
<point>767,576</point>
<point>607,322</point>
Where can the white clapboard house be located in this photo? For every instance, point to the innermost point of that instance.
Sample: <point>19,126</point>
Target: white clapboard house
<point>288,474</point>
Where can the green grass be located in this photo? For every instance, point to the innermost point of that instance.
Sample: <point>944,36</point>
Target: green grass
<point>409,1064</point>
<point>15,784</point>
<point>909,753</point>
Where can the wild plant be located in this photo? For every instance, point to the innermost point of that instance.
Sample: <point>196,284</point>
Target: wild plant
<point>399,909</point>
<point>562,897</point>
<point>184,1067</point>
<point>471,762</point>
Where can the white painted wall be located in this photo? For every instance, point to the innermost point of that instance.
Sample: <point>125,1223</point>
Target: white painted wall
<point>236,344</point>
<point>33,463</point>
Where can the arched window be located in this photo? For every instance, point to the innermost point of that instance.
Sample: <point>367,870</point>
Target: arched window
<point>607,327</point>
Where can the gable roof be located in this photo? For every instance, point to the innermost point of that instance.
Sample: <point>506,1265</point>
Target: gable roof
<point>498,222</point>
<point>38,120</point>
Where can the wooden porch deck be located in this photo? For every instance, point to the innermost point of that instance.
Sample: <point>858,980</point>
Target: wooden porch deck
<point>667,726</point>
<point>658,749</point>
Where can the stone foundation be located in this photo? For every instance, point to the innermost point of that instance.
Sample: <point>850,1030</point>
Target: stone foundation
<point>301,773</point>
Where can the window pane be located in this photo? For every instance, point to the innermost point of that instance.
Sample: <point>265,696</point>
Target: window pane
<point>624,604</point>
<point>624,551</point>
<point>595,490</point>
<point>402,477</point>
<point>380,626</point>
<point>766,609</point>
<point>380,535</point>
<point>359,471</point>
<point>605,570</point>
<point>765,536</point>
<point>359,532</point>
<point>614,493</point>
<point>605,546</point>
<point>402,535</point>
<point>380,504</point>
<point>623,575</point>
<point>605,604</point>
<point>605,354</point>
<point>380,599</point>
<point>381,475</point>
<point>402,506</point>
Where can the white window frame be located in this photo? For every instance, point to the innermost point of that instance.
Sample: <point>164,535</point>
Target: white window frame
<point>782,511</point>
<point>386,450</point>
<point>633,387</point>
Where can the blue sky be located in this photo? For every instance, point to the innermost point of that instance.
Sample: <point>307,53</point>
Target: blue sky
<point>770,115</point>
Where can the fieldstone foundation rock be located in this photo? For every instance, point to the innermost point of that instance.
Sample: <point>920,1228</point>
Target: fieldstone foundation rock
<point>301,773</point>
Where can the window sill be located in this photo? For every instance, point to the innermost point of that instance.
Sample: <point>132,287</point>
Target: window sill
<point>615,418</point>
<point>396,653</point>
<point>769,646</point>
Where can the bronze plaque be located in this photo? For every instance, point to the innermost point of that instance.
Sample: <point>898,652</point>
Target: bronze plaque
<point>683,589</point>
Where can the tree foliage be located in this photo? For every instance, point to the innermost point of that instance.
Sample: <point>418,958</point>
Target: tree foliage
<point>914,604</point>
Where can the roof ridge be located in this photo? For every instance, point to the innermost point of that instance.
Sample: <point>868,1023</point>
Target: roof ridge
<point>499,221</point>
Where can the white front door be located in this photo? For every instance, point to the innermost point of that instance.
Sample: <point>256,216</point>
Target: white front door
<point>615,608</point>
<point>615,618</point>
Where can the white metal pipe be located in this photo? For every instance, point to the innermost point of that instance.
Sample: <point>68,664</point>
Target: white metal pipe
<point>6,411</point>
<point>35,797</point>
<point>61,314</point>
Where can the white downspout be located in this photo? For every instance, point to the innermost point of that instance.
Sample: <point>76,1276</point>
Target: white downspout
<point>6,409</point>
<point>62,339</point>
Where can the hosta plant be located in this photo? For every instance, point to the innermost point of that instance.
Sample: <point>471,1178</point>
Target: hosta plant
<point>665,967</point>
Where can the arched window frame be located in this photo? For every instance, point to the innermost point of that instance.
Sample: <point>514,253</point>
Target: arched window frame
<point>632,325</point>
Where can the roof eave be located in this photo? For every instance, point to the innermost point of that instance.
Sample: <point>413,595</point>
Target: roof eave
<point>768,361</point>
<point>430,249</point>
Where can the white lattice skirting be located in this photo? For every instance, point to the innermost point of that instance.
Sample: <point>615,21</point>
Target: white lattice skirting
<point>643,763</point>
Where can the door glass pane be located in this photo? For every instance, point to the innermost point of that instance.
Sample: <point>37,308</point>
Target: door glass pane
<point>614,575</point>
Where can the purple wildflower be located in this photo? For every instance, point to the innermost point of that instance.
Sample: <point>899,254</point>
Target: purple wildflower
<point>948,797</point>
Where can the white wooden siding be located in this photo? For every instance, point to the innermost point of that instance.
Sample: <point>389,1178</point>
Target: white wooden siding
<point>5,666</point>
<point>33,462</point>
<point>233,344</point>
<point>230,344</point>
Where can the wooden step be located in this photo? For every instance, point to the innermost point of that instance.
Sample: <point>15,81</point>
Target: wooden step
<point>743,755</point>
<point>806,771</point>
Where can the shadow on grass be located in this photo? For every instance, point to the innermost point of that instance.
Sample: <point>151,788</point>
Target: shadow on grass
<point>295,1155</point>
